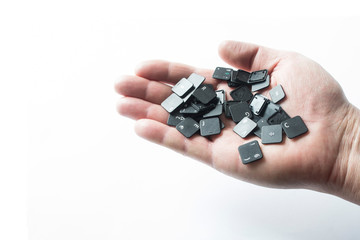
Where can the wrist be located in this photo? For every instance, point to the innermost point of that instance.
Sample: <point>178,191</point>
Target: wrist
<point>344,180</point>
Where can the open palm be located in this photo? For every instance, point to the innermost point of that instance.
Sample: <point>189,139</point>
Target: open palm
<point>304,162</point>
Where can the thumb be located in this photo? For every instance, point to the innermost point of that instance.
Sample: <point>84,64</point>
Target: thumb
<point>248,56</point>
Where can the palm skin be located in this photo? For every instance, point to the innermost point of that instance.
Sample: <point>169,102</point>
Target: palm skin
<point>304,162</point>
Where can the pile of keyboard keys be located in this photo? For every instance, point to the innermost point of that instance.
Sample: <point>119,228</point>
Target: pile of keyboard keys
<point>196,107</point>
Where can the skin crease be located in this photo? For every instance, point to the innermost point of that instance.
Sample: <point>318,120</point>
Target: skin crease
<point>324,159</point>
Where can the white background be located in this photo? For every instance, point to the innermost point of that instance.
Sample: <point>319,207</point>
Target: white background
<point>76,170</point>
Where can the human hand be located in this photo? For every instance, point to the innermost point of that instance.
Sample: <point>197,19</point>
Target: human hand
<point>321,160</point>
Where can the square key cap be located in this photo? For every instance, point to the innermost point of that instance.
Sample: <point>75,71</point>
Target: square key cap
<point>172,102</point>
<point>258,76</point>
<point>205,93</point>
<point>174,118</point>
<point>261,85</point>
<point>188,127</point>
<point>222,73</point>
<point>196,79</point>
<point>271,134</point>
<point>294,127</point>
<point>241,94</point>
<point>239,77</point>
<point>182,87</point>
<point>227,105</point>
<point>239,111</point>
<point>244,127</point>
<point>277,93</point>
<point>258,104</point>
<point>210,126</point>
<point>242,76</point>
<point>250,152</point>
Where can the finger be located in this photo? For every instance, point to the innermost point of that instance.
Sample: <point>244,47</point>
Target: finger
<point>169,72</point>
<point>247,56</point>
<point>135,108</point>
<point>137,87</point>
<point>196,147</point>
